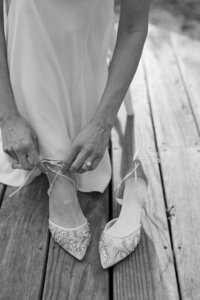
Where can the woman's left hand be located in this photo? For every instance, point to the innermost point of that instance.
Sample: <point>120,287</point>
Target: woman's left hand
<point>88,146</point>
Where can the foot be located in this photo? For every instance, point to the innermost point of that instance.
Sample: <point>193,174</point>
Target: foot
<point>64,208</point>
<point>133,201</point>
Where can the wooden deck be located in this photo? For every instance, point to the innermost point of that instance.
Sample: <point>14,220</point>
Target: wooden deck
<point>166,264</point>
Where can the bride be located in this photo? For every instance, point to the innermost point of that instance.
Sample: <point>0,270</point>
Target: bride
<point>58,104</point>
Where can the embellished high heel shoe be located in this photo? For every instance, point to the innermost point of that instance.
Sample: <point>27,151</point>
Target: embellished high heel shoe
<point>74,240</point>
<point>121,236</point>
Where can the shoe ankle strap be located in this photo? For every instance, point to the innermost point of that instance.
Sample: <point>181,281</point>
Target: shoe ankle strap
<point>53,162</point>
<point>135,157</point>
<point>58,173</point>
<point>153,155</point>
<point>25,181</point>
<point>134,170</point>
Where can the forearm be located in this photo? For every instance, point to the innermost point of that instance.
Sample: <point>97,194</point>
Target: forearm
<point>8,107</point>
<point>122,70</point>
<point>127,53</point>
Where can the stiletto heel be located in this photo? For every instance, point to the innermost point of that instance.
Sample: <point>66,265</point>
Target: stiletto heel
<point>74,240</point>
<point>116,244</point>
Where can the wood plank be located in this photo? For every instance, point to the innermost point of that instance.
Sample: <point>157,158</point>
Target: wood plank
<point>148,273</point>
<point>179,156</point>
<point>23,240</point>
<point>173,118</point>
<point>187,54</point>
<point>181,173</point>
<point>2,191</point>
<point>67,278</point>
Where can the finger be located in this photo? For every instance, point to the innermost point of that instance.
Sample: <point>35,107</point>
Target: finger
<point>94,159</point>
<point>14,155</point>
<point>80,171</point>
<point>24,162</point>
<point>70,159</point>
<point>36,160</point>
<point>16,165</point>
<point>35,142</point>
<point>79,161</point>
<point>85,167</point>
<point>11,153</point>
<point>94,163</point>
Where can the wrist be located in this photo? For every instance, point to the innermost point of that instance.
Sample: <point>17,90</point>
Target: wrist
<point>106,113</point>
<point>11,116</point>
<point>103,123</point>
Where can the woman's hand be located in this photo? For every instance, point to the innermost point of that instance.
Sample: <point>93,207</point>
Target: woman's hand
<point>20,142</point>
<point>89,145</point>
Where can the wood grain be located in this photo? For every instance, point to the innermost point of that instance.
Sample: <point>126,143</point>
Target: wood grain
<point>23,240</point>
<point>165,101</point>
<point>173,118</point>
<point>187,54</point>
<point>67,278</point>
<point>148,273</point>
<point>181,173</point>
<point>2,191</point>
<point>174,124</point>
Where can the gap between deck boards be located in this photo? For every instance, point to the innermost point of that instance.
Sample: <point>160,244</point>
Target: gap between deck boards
<point>162,183</point>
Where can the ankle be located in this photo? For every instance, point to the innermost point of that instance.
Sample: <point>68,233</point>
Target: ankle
<point>67,215</point>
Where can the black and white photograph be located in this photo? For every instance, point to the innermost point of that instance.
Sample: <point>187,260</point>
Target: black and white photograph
<point>99,149</point>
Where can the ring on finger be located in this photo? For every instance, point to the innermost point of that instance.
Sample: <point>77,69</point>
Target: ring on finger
<point>87,165</point>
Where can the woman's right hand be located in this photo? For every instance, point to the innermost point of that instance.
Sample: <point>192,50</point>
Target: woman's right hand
<point>21,143</point>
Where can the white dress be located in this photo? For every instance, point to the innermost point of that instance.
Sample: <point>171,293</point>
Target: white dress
<point>57,52</point>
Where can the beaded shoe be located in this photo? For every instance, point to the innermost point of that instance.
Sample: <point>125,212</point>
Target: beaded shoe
<point>74,240</point>
<point>121,236</point>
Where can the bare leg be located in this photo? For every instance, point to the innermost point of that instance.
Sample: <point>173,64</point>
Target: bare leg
<point>64,208</point>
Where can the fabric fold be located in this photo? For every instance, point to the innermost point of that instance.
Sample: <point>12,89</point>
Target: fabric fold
<point>57,55</point>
